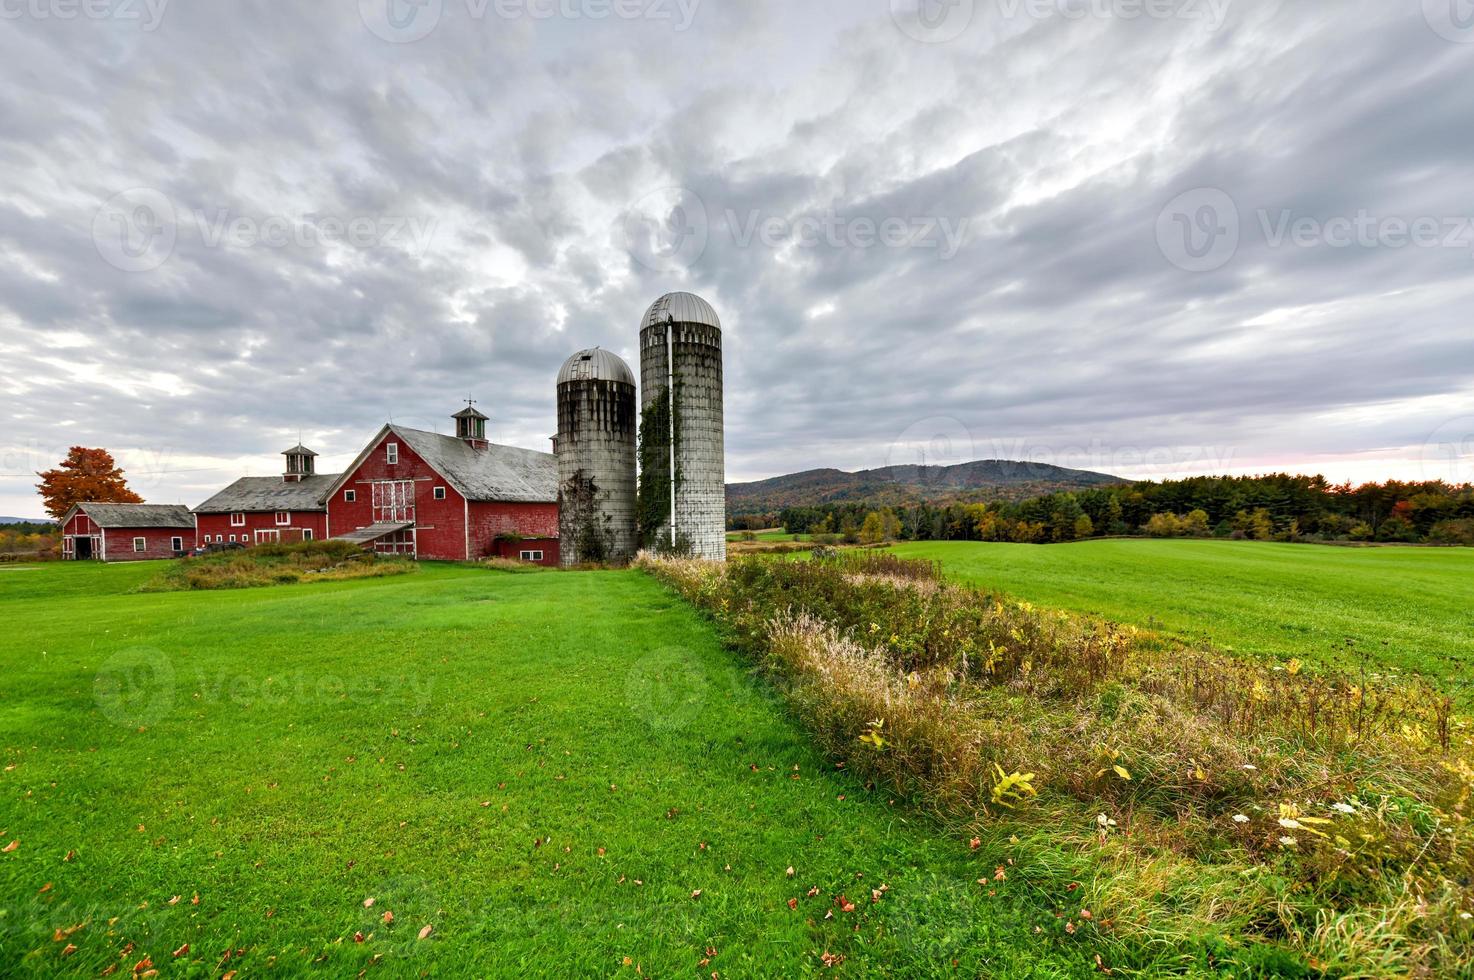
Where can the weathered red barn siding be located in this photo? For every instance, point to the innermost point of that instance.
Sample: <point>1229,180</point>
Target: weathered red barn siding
<point>440,525</point>
<point>158,542</point>
<point>212,525</point>
<point>530,521</point>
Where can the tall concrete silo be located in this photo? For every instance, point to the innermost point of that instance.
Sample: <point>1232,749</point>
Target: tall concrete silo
<point>681,351</point>
<point>596,459</point>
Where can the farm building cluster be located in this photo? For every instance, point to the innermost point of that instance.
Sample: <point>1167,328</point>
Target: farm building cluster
<point>460,497</point>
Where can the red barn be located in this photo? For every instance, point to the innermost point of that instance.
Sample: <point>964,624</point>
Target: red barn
<point>126,532</point>
<point>448,497</point>
<point>257,509</point>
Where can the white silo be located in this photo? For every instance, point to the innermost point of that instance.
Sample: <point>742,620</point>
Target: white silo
<point>681,353</point>
<point>596,459</point>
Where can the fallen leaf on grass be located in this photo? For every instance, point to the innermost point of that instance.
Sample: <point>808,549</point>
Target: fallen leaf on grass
<point>358,937</point>
<point>44,889</point>
<point>696,893</point>
<point>425,932</point>
<point>368,903</point>
<point>181,951</point>
<point>388,917</point>
<point>793,903</point>
<point>789,872</point>
<point>68,949</point>
<point>174,900</point>
<point>10,847</point>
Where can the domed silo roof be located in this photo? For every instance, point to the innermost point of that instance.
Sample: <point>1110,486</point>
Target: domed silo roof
<point>684,307</point>
<point>596,364</point>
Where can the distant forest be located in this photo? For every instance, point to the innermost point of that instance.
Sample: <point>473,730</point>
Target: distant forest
<point>1279,507</point>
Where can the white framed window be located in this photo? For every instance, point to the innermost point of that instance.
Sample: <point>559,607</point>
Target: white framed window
<point>237,520</point>
<point>439,493</point>
<point>232,537</point>
<point>532,556</point>
<point>283,518</point>
<point>307,534</point>
<point>140,544</point>
<point>176,544</point>
<point>349,496</point>
<point>219,539</point>
<point>391,452</point>
<point>266,534</point>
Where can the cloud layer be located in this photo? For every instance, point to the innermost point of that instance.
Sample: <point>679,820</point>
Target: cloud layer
<point>1144,236</point>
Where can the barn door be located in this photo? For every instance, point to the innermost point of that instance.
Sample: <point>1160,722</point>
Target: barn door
<point>394,502</point>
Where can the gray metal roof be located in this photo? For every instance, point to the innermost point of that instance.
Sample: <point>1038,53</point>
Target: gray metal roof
<point>138,515</point>
<point>270,493</point>
<point>298,450</point>
<point>596,365</point>
<point>503,473</point>
<point>685,307</point>
<point>373,532</point>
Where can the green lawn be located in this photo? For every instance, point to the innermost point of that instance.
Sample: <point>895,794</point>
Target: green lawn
<point>543,768</point>
<point>768,536</point>
<point>1410,609</point>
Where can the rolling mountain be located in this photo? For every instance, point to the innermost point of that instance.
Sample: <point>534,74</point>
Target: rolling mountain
<point>987,479</point>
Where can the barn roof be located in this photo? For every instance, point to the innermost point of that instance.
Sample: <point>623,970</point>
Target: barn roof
<point>135,515</point>
<point>492,473</point>
<point>502,473</point>
<point>270,493</point>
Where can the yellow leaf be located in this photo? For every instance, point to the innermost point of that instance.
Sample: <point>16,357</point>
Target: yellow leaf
<point>1121,771</point>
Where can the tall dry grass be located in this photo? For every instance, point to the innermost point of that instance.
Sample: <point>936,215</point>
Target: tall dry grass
<point>1191,796</point>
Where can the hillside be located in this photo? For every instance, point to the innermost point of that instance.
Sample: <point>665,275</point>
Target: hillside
<point>988,479</point>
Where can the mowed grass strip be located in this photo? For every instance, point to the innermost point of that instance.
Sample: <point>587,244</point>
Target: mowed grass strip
<point>1404,609</point>
<point>543,770</point>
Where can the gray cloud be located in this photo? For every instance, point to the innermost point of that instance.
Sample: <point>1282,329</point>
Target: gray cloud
<point>496,166</point>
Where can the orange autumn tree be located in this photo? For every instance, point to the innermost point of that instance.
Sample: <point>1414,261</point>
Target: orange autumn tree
<point>85,475</point>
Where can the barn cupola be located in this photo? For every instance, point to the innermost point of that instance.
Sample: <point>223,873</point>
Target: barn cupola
<point>471,426</point>
<point>300,463</point>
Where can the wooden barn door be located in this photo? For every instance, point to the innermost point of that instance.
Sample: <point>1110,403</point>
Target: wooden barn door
<point>394,502</point>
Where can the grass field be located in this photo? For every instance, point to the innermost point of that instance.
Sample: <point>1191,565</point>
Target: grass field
<point>1408,609</point>
<point>543,769</point>
<point>771,536</point>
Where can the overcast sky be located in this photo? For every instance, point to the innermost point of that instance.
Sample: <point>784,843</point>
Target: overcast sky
<point>1150,237</point>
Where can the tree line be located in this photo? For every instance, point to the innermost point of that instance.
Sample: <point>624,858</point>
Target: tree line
<point>1277,507</point>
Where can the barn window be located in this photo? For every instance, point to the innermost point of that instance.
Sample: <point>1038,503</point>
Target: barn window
<point>140,544</point>
<point>349,496</point>
<point>283,517</point>
<point>232,537</point>
<point>237,520</point>
<point>439,493</point>
<point>176,544</point>
<point>532,556</point>
<point>307,534</point>
<point>391,452</point>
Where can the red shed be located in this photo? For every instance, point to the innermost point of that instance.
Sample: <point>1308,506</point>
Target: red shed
<point>448,497</point>
<point>126,532</point>
<point>257,509</point>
